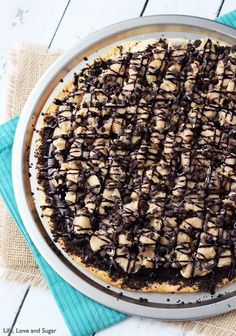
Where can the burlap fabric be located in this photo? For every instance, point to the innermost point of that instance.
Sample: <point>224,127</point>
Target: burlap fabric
<point>29,61</point>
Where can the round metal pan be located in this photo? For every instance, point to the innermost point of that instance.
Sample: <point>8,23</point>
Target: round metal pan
<point>178,306</point>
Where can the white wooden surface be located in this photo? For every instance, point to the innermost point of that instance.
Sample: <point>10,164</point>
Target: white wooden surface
<point>24,20</point>
<point>206,9</point>
<point>85,16</point>
<point>60,23</point>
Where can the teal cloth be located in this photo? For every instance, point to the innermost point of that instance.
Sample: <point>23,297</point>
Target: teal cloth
<point>228,19</point>
<point>83,316</point>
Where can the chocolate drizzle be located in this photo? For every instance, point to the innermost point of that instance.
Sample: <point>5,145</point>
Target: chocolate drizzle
<point>138,163</point>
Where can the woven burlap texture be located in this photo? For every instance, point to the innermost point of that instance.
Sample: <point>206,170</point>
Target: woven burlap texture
<point>29,63</point>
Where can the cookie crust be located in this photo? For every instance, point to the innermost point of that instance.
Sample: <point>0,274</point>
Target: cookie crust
<point>48,212</point>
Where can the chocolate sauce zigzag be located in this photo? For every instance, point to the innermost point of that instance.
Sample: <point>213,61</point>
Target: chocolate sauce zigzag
<point>139,162</point>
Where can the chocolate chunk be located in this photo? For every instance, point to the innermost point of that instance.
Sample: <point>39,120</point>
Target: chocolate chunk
<point>143,300</point>
<point>138,164</point>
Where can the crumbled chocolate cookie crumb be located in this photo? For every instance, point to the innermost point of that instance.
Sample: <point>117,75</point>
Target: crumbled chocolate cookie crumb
<point>138,164</point>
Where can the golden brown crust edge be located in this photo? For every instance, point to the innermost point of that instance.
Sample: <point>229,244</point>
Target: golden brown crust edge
<point>163,287</point>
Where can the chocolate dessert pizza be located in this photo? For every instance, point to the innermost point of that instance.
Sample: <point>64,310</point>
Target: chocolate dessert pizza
<point>136,165</point>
